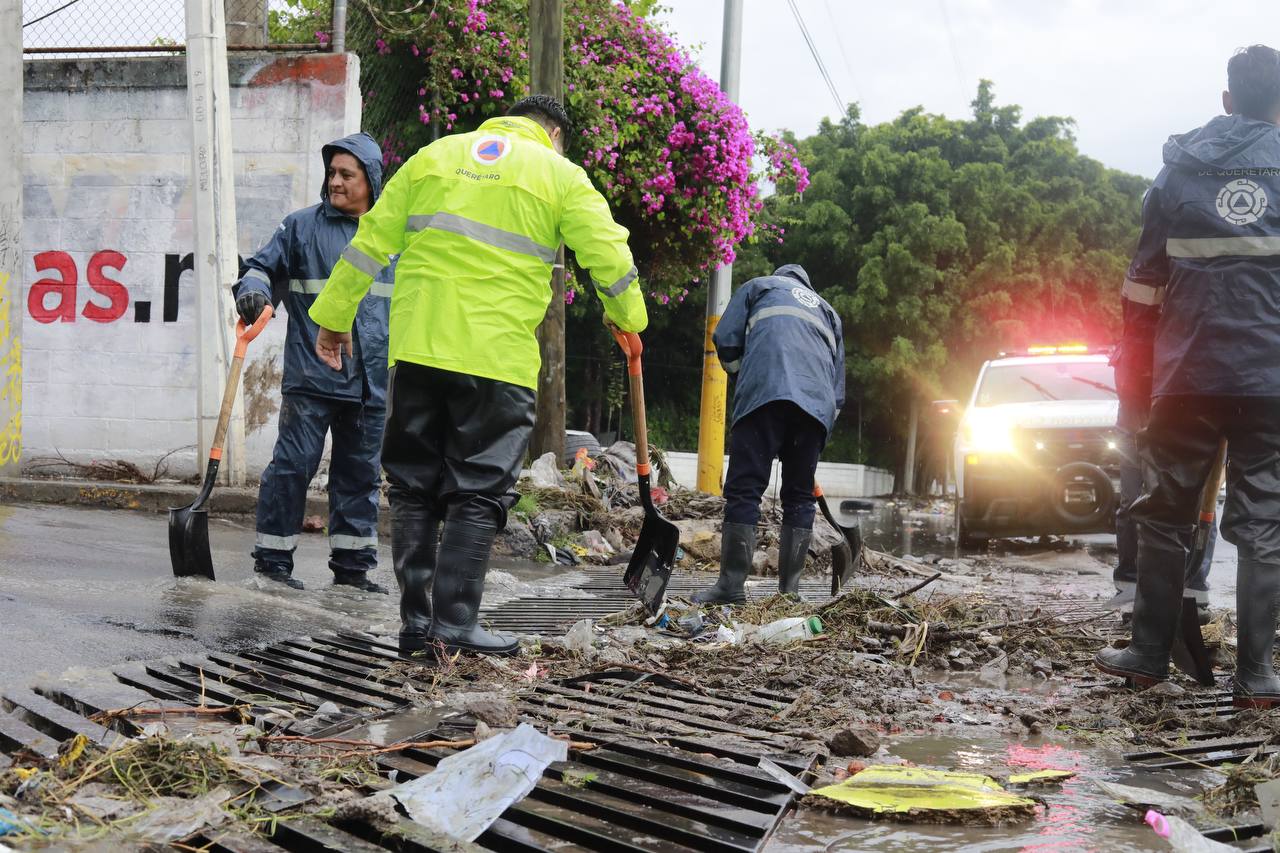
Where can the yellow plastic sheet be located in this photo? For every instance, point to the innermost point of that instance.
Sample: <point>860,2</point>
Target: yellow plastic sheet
<point>927,795</point>
<point>1040,777</point>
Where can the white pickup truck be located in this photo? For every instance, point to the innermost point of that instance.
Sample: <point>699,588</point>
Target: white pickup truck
<point>1036,452</point>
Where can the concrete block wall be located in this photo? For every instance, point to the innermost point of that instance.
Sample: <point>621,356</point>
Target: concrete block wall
<point>108,337</point>
<point>838,480</point>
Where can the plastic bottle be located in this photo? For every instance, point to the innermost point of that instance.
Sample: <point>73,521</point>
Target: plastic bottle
<point>789,630</point>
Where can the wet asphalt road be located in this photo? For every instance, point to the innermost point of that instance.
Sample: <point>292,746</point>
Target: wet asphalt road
<point>87,588</point>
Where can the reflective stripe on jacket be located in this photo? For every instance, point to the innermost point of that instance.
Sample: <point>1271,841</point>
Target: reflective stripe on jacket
<point>292,268</point>
<point>784,342</point>
<point>476,219</point>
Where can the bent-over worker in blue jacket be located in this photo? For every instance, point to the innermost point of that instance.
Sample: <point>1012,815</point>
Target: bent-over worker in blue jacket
<point>315,400</point>
<point>786,347</point>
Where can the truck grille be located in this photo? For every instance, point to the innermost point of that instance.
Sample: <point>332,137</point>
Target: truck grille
<point>1054,447</point>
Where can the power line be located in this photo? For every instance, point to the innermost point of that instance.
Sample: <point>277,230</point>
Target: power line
<point>951,40</point>
<point>50,14</point>
<point>848,66</point>
<point>822,69</point>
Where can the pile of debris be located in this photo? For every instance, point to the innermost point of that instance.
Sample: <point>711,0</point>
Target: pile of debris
<point>587,514</point>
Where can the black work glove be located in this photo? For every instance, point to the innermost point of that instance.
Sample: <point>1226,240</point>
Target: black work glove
<point>250,305</point>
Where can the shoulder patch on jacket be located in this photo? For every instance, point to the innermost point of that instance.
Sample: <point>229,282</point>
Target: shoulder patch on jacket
<point>805,297</point>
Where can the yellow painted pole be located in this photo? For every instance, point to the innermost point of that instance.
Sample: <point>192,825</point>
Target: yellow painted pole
<point>715,383</point>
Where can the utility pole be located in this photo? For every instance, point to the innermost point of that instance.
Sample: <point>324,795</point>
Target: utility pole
<point>546,66</point>
<point>909,475</point>
<point>715,381</point>
<point>11,302</point>
<point>214,221</point>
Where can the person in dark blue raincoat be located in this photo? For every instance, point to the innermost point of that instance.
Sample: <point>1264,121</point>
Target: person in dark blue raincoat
<point>1201,306</point>
<point>349,404</point>
<point>785,345</point>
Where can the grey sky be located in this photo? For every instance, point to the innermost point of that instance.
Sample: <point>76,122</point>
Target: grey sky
<point>1130,72</point>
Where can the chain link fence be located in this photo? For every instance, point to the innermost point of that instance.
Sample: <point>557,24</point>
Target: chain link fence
<point>389,86</point>
<point>141,27</point>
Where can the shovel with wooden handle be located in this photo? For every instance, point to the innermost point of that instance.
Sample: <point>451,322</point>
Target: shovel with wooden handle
<point>189,525</point>
<point>649,569</point>
<point>1189,651</point>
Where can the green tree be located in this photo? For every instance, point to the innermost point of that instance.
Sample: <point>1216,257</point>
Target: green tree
<point>941,241</point>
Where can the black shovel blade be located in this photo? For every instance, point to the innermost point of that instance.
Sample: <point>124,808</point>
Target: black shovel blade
<point>649,570</point>
<point>1189,652</point>
<point>189,543</point>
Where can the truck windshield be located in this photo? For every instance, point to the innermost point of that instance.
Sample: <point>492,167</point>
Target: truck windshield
<point>1033,383</point>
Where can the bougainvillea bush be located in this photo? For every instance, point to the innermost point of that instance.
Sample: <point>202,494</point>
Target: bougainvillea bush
<point>673,155</point>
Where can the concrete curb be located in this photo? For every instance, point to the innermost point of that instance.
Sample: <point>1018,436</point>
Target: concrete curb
<point>225,500</point>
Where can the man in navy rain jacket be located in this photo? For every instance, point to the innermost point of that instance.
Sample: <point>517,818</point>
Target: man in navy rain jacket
<point>349,403</point>
<point>786,347</point>
<point>1202,333</point>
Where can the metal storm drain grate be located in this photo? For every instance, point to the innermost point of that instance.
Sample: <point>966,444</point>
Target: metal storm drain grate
<point>670,769</point>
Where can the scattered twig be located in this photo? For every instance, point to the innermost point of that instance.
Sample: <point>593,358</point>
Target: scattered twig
<point>241,712</point>
<point>367,747</point>
<point>917,587</point>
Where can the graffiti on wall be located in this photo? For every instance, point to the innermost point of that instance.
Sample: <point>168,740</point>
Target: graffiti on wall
<point>53,297</point>
<point>10,378</point>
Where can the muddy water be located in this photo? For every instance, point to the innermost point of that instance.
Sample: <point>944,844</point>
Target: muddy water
<point>900,530</point>
<point>1076,816</point>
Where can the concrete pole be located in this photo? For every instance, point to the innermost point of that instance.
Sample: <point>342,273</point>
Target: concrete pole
<point>214,227</point>
<point>339,42</point>
<point>909,475</point>
<point>715,381</point>
<point>546,71</point>
<point>11,301</point>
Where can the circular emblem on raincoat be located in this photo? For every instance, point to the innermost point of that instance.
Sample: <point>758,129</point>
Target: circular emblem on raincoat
<point>488,150</point>
<point>1242,202</point>
<point>804,297</point>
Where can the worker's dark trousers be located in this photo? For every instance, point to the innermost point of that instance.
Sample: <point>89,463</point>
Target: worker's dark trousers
<point>779,430</point>
<point>1177,450</point>
<point>1125,576</point>
<point>455,443</point>
<point>354,481</point>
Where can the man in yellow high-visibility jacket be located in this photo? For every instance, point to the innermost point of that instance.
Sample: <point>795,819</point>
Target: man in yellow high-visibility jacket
<point>476,219</point>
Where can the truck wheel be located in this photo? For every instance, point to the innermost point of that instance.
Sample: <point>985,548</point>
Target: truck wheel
<point>1082,496</point>
<point>965,541</point>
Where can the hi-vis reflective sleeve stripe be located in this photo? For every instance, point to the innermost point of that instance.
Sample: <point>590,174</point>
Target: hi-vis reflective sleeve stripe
<point>1221,247</point>
<point>800,313</point>
<point>259,275</point>
<point>618,287</point>
<point>1143,294</point>
<point>482,233</point>
<point>358,259</point>
<point>731,366</point>
<point>313,286</point>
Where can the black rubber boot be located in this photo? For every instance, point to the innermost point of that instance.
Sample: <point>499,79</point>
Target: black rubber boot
<point>737,545</point>
<point>415,534</point>
<point>358,579</point>
<point>1156,612</point>
<point>792,551</point>
<point>279,576</point>
<point>1257,593</point>
<point>461,564</point>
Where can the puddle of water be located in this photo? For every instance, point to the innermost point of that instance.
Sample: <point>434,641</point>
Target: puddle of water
<point>1076,816</point>
<point>900,530</point>
<point>400,727</point>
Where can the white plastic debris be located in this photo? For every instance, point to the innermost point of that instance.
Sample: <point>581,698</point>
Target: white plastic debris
<point>468,791</point>
<point>580,638</point>
<point>597,545</point>
<point>545,473</point>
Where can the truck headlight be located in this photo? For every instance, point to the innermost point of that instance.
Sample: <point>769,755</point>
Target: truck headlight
<point>988,432</point>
